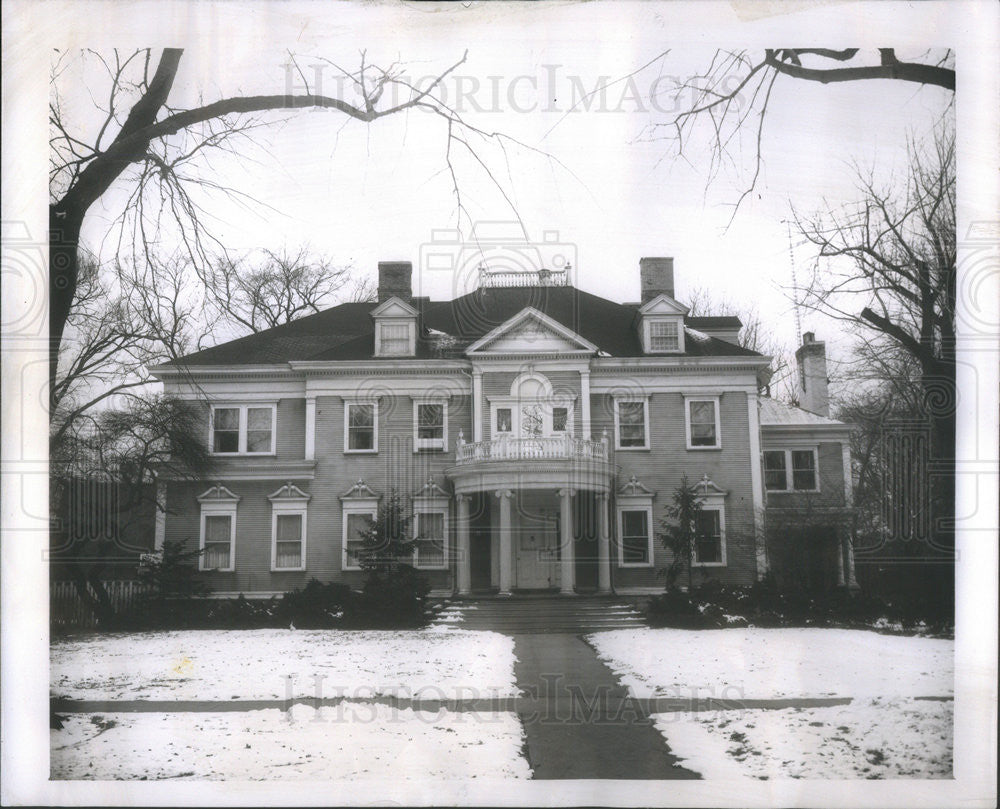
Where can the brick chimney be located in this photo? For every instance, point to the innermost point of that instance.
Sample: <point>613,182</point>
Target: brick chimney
<point>395,280</point>
<point>813,390</point>
<point>656,277</point>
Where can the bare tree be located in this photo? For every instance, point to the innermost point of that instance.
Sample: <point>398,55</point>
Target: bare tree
<point>260,292</point>
<point>754,335</point>
<point>732,95</point>
<point>887,267</point>
<point>156,153</point>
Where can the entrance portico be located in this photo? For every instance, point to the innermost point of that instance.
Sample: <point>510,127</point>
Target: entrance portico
<point>534,503</point>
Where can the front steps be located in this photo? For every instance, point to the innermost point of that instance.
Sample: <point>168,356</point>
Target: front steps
<point>529,615</point>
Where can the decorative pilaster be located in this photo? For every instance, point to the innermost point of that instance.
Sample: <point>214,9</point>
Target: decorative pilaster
<point>567,560</point>
<point>585,404</point>
<point>477,405</point>
<point>310,428</point>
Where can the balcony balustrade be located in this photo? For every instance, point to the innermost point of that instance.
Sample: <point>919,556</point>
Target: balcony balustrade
<point>556,447</point>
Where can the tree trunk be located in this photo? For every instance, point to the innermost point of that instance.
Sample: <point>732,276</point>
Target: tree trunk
<point>64,241</point>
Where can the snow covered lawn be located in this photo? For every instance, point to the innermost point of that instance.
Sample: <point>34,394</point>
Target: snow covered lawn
<point>871,738</point>
<point>257,664</point>
<point>350,741</point>
<point>772,663</point>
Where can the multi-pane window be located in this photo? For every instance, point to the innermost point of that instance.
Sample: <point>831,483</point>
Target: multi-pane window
<point>790,470</point>
<point>394,339</point>
<point>560,419</point>
<point>636,541</point>
<point>288,541</point>
<point>703,423</point>
<point>663,335</point>
<point>243,429</point>
<point>430,425</point>
<point>218,541</point>
<point>631,424</point>
<point>708,541</point>
<point>429,548</point>
<point>361,424</point>
<point>355,525</point>
<point>504,420</point>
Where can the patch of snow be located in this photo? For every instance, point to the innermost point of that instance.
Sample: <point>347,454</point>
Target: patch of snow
<point>901,738</point>
<point>756,663</point>
<point>277,664</point>
<point>700,336</point>
<point>349,741</point>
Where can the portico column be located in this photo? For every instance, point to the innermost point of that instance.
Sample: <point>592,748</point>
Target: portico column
<point>603,546</point>
<point>464,569</point>
<point>505,541</point>
<point>567,555</point>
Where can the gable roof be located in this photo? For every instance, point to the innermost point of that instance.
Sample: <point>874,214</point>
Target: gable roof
<point>447,328</point>
<point>545,327</point>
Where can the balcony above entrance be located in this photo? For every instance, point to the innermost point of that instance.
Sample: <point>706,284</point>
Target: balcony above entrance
<point>532,462</point>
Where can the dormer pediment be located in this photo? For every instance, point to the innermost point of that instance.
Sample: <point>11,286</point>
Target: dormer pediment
<point>663,305</point>
<point>531,332</point>
<point>394,307</point>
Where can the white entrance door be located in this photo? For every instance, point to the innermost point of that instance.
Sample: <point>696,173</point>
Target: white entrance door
<point>535,550</point>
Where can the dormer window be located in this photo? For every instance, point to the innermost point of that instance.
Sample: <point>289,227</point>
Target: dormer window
<point>395,329</point>
<point>663,335</point>
<point>661,326</point>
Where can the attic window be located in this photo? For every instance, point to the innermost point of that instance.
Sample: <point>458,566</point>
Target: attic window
<point>663,335</point>
<point>394,339</point>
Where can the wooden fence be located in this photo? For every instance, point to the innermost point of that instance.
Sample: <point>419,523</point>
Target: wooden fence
<point>67,610</point>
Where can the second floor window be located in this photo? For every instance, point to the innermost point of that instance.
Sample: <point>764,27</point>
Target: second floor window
<point>430,425</point>
<point>788,470</point>
<point>630,424</point>
<point>361,427</point>
<point>243,429</point>
<point>703,423</point>
<point>560,419</point>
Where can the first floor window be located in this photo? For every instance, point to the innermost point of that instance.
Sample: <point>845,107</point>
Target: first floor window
<point>356,524</point>
<point>636,541</point>
<point>218,542</point>
<point>288,536</point>
<point>429,551</point>
<point>631,424</point>
<point>703,427</point>
<point>790,470</point>
<point>243,429</point>
<point>708,542</point>
<point>361,428</point>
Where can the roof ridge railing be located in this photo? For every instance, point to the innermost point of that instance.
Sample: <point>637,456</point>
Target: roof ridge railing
<point>492,279</point>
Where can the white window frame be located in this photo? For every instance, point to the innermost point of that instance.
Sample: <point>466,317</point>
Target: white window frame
<point>348,404</point>
<point>789,473</point>
<point>411,328</point>
<point>364,509</point>
<point>288,508</point>
<point>242,407</point>
<point>647,334</point>
<point>430,508</point>
<point>419,443</point>
<point>645,418</point>
<point>221,508</point>
<point>621,507</point>
<point>688,401</point>
<point>720,507</point>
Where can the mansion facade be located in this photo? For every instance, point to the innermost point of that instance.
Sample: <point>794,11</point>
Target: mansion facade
<point>535,432</point>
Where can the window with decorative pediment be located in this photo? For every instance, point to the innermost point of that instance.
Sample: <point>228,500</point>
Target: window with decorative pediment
<point>217,536</point>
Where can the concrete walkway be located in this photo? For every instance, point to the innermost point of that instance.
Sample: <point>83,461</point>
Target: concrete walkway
<point>579,722</point>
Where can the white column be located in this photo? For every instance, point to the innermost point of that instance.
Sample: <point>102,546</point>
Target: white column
<point>464,569</point>
<point>505,541</point>
<point>477,405</point>
<point>160,526</point>
<point>567,555</point>
<point>757,485</point>
<point>585,404</point>
<point>603,545</point>
<point>310,427</point>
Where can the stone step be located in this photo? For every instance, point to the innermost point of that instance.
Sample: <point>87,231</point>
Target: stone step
<point>540,615</point>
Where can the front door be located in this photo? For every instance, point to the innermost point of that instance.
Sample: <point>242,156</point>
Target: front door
<point>535,548</point>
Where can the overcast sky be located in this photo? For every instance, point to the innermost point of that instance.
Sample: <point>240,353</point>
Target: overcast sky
<point>608,189</point>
